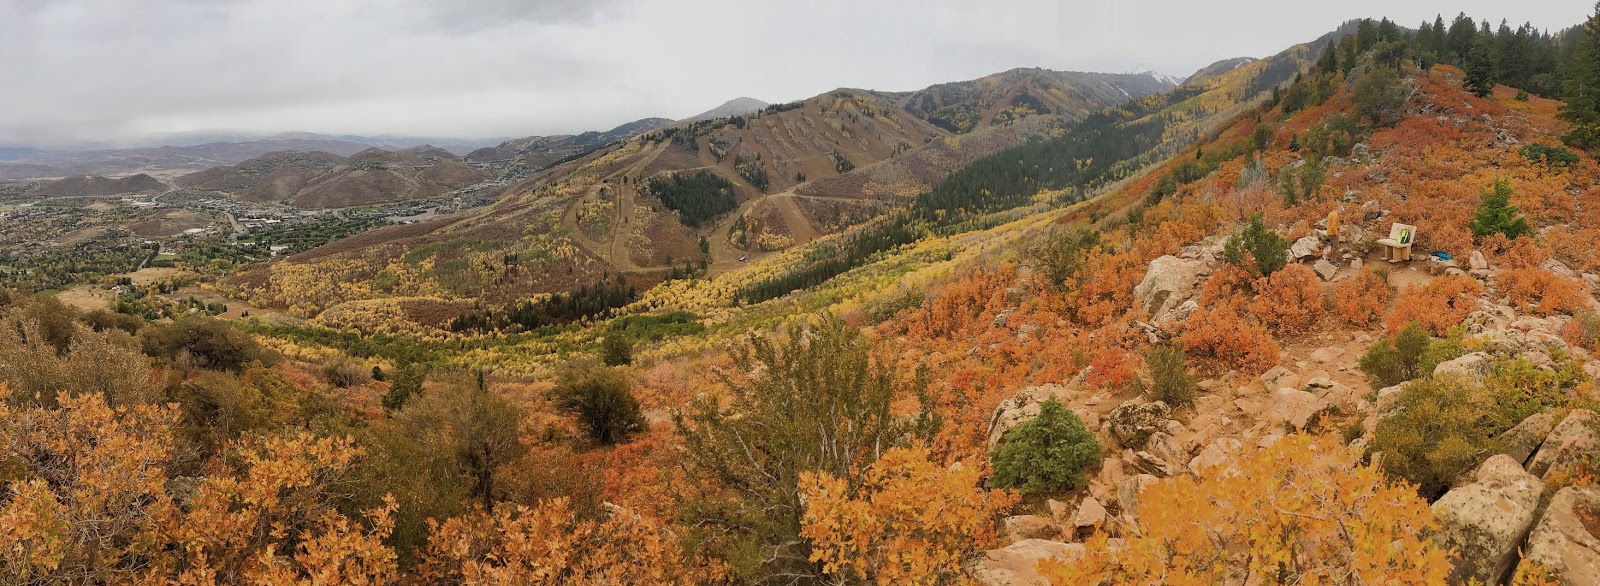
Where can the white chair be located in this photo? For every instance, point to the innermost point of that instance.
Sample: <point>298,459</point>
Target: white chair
<point>1397,247</point>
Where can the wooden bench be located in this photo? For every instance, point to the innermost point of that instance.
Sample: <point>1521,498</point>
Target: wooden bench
<point>1397,247</point>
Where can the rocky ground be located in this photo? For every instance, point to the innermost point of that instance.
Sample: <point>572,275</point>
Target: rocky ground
<point>1507,511</point>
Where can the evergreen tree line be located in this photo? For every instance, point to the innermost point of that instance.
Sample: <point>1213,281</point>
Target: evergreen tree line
<point>1524,57</point>
<point>566,307</point>
<point>698,197</point>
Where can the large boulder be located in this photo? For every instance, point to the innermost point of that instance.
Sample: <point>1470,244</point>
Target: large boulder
<point>1090,514</point>
<point>1216,455</point>
<point>1485,521</point>
<point>1306,247</point>
<point>1296,408</point>
<point>1564,542</point>
<point>1167,284</point>
<point>1474,366</point>
<point>1129,490</point>
<point>1132,423</point>
<point>1324,269</point>
<point>1478,261</point>
<point>1017,564</point>
<point>1569,443</point>
<point>1522,441</point>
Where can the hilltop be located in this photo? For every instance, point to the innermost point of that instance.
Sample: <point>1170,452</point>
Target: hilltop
<point>697,197</point>
<point>735,107</point>
<point>325,180</point>
<point>94,185</point>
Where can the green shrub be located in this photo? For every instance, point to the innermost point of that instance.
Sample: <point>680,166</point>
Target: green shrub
<point>1169,375</point>
<point>1381,96</point>
<point>405,382</point>
<point>1554,158</point>
<point>616,350</point>
<point>1256,249</point>
<point>1052,453</point>
<point>604,402</point>
<point>1060,254</point>
<point>1407,355</point>
<point>1440,427</point>
<point>203,342</point>
<point>1521,388</point>
<point>1496,215</point>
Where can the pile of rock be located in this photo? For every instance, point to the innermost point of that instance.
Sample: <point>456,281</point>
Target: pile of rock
<point>1507,508</point>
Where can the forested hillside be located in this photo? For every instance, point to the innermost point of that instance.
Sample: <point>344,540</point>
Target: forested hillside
<point>1166,341</point>
<point>687,200</point>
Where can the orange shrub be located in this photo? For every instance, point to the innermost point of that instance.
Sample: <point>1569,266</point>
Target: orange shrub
<point>1360,301</point>
<point>1436,306</point>
<point>1519,253</point>
<point>1219,340</point>
<point>1290,301</point>
<point>1541,292</point>
<point>1303,511</point>
<point>1113,369</point>
<point>1230,287</point>
<point>912,521</point>
<point>549,544</point>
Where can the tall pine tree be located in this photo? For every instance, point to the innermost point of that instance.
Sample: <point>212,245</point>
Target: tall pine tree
<point>1480,63</point>
<point>1582,89</point>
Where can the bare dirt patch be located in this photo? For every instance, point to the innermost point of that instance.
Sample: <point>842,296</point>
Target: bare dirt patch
<point>169,223</point>
<point>85,297</point>
<point>80,236</point>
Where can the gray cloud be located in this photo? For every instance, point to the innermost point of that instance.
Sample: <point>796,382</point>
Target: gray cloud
<point>78,71</point>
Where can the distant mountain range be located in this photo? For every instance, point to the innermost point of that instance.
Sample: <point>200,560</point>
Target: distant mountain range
<point>539,152</point>
<point>750,179</point>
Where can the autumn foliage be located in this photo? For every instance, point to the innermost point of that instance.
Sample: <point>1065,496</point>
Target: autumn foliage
<point>1541,292</point>
<point>1360,300</point>
<point>1220,340</point>
<point>1304,511</point>
<point>911,521</point>
<point>92,505</point>
<point>1290,300</point>
<point>1436,306</point>
<point>549,544</point>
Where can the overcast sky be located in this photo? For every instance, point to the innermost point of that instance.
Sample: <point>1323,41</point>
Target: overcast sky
<point>74,71</point>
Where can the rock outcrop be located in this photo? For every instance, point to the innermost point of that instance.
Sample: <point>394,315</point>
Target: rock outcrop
<point>1017,564</point>
<point>1486,520</point>
<point>1474,366</point>
<point>1132,423</point>
<point>1522,441</point>
<point>1168,283</point>
<point>1564,541</point>
<point>1022,527</point>
<point>1298,409</point>
<point>1571,441</point>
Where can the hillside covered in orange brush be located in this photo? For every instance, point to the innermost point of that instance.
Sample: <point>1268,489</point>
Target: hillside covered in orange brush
<point>1329,317</point>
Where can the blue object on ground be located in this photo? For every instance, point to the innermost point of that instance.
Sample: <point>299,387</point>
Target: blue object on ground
<point>1442,255</point>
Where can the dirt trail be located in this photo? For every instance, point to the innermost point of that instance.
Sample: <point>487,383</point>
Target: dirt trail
<point>800,229</point>
<point>614,247</point>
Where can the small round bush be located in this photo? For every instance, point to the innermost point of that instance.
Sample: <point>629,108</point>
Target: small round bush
<point>1052,453</point>
<point>1171,382</point>
<point>604,402</point>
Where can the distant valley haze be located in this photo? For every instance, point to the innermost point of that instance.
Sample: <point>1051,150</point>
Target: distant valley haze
<point>106,73</point>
